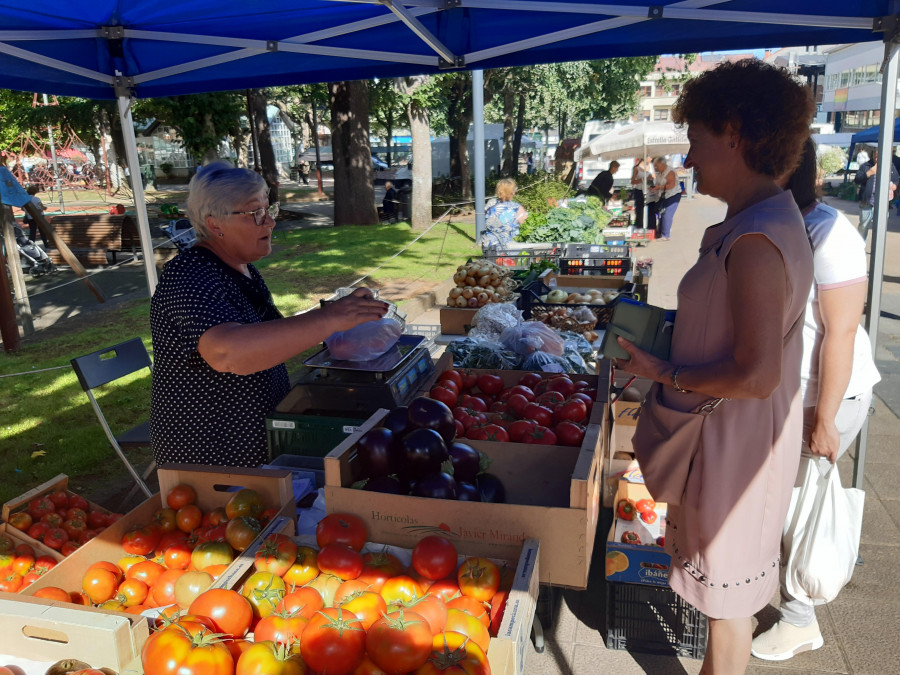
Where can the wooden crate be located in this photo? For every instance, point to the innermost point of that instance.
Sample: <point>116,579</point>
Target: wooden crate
<point>553,495</point>
<point>20,537</point>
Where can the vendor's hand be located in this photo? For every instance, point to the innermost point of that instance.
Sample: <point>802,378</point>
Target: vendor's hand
<point>643,363</point>
<point>354,309</point>
<point>825,440</point>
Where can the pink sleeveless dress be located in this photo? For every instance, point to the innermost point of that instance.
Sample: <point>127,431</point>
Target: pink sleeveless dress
<point>725,537</point>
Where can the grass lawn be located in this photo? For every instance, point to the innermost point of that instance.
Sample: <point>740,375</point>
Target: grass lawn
<point>47,426</point>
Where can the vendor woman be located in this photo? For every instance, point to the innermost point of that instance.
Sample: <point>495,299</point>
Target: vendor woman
<point>219,343</point>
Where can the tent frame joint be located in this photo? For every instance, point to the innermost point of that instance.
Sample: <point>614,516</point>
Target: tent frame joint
<point>458,62</point>
<point>271,45</point>
<point>655,12</point>
<point>890,25</point>
<point>113,32</point>
<point>123,86</point>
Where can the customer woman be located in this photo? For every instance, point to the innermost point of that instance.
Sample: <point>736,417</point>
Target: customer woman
<point>641,179</point>
<point>219,343</point>
<point>503,218</point>
<point>836,377</point>
<point>667,190</point>
<point>736,337</point>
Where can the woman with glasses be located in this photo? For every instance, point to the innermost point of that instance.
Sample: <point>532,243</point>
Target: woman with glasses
<point>219,342</point>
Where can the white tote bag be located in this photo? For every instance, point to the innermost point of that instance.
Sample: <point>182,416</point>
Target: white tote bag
<point>823,526</point>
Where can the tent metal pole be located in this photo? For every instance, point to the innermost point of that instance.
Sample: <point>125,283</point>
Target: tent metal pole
<point>137,188</point>
<point>879,232</point>
<point>478,118</point>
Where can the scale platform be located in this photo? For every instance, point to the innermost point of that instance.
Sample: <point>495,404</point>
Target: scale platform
<point>335,387</point>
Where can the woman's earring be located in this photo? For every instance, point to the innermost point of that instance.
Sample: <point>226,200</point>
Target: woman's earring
<point>221,234</point>
<point>732,144</point>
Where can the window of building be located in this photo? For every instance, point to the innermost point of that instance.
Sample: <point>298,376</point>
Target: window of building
<point>647,90</point>
<point>676,89</point>
<point>661,114</point>
<point>845,78</point>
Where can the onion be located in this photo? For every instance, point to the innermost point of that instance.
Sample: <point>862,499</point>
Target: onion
<point>467,292</point>
<point>461,302</point>
<point>455,293</point>
<point>472,302</point>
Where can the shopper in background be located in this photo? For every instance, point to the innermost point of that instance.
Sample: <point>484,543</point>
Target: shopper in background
<point>668,195</point>
<point>641,179</point>
<point>33,228</point>
<point>602,184</point>
<point>219,342</point>
<point>836,376</point>
<point>736,337</point>
<point>503,217</point>
<point>865,179</point>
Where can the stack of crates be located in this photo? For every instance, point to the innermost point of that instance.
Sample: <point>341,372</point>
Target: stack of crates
<point>596,260</point>
<point>521,257</point>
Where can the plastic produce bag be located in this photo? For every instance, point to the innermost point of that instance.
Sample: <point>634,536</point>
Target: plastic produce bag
<point>366,341</point>
<point>494,318</point>
<point>825,520</point>
<point>530,337</point>
<point>485,354</point>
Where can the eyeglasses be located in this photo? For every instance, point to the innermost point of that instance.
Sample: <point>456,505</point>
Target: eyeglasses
<point>259,215</point>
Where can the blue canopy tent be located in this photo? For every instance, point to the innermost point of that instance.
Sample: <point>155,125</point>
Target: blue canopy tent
<point>870,135</point>
<point>120,49</point>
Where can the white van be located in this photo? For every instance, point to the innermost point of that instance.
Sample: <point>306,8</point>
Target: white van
<point>588,169</point>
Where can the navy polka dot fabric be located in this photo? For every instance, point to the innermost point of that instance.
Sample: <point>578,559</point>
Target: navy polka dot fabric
<point>199,415</point>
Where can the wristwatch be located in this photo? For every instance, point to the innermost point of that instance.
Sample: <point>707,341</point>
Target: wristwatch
<point>679,389</point>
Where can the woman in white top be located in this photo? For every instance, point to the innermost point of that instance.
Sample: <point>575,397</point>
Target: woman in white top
<point>668,190</point>
<point>641,179</point>
<point>837,374</point>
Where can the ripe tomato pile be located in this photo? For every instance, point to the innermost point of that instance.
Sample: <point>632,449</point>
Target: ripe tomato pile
<point>61,520</point>
<point>338,611</point>
<point>548,411</point>
<point>172,559</point>
<point>19,566</point>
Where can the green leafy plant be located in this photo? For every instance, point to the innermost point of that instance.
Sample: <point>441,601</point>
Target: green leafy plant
<point>832,160</point>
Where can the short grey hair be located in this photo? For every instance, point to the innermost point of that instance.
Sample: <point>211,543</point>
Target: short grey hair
<point>217,189</point>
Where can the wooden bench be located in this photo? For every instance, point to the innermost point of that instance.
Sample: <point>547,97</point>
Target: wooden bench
<point>96,239</point>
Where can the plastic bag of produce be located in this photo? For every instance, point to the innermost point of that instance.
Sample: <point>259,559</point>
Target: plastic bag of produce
<point>491,320</point>
<point>482,353</point>
<point>547,363</point>
<point>366,341</point>
<point>530,337</point>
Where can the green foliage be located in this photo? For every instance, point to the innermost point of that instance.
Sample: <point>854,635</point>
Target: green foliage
<point>832,160</point>
<point>578,221</point>
<point>847,191</point>
<point>202,120</point>
<point>166,168</point>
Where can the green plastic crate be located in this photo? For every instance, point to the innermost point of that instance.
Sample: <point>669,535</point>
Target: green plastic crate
<point>310,435</point>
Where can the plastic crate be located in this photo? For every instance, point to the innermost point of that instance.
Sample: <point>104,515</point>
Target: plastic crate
<point>612,267</point>
<point>530,300</point>
<point>597,251</point>
<point>653,620</point>
<point>309,435</point>
<point>522,258</point>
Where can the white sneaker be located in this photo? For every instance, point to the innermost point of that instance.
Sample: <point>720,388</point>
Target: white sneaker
<point>784,640</point>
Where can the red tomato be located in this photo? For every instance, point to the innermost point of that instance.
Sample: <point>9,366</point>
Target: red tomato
<point>562,384</point>
<point>476,403</point>
<point>530,380</point>
<point>69,548</point>
<point>487,432</point>
<point>445,395</point>
<point>569,433</point>
<point>38,530</point>
<point>551,399</point>
<point>649,517</point>
<point>460,427</point>
<point>180,495</point>
<point>96,519</point>
<point>304,601</point>
<point>45,563</point>
<point>478,578</point>
<point>11,582</point>
<point>446,589</point>
<point>276,555</point>
<point>59,499</point>
<point>572,410</point>
<point>543,416</point>
<point>163,591</point>
<point>399,642</point>
<point>341,561</point>
<point>521,390</point>
<point>584,398</point>
<point>79,502</point>
<point>74,528</point>
<point>188,517</point>
<point>645,505</point>
<point>471,606</point>
<point>432,608</point>
<point>280,627</point>
<point>55,537</point>
<point>490,384</point>
<point>520,429</point>
<point>454,376</point>
<point>499,407</point>
<point>434,557</point>
<point>341,528</point>
<point>229,610</point>
<point>541,436</point>
<point>378,568</point>
<point>141,541</point>
<point>333,642</point>
<point>40,507</point>
<point>469,381</point>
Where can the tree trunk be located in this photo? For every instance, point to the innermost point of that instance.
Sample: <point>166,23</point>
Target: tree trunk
<point>354,191</point>
<point>211,155</point>
<point>517,136</point>
<point>509,101</point>
<point>463,152</point>
<point>264,142</point>
<point>419,127</point>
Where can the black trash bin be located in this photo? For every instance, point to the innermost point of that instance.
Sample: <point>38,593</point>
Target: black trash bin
<point>404,199</point>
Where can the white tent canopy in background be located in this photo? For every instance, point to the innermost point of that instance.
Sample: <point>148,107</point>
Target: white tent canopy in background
<point>638,140</point>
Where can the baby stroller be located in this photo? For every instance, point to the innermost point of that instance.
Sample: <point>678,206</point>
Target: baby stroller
<point>182,233</point>
<point>34,259</point>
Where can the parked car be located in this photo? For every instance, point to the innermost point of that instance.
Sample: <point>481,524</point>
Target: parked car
<point>378,164</point>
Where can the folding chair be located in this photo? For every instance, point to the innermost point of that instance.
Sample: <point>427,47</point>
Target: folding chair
<point>107,365</point>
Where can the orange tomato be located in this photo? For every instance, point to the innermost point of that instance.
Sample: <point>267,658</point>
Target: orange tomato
<point>148,571</point>
<point>304,568</point>
<point>471,606</point>
<point>230,611</point>
<point>305,601</point>
<point>172,652</point>
<point>460,622</point>
<point>478,578</point>
<point>162,592</point>
<point>400,589</point>
<point>99,584</point>
<point>133,592</point>
<point>180,495</point>
<point>53,593</point>
<point>367,606</point>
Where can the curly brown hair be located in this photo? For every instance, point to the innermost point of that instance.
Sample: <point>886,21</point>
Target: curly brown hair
<point>762,103</point>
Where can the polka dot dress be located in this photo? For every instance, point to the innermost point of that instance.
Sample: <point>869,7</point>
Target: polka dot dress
<point>199,415</point>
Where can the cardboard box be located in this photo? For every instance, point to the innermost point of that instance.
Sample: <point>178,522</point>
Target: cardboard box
<point>552,494</point>
<point>20,537</point>
<point>636,563</point>
<point>20,503</point>
<point>45,630</point>
<point>212,485</point>
<point>456,320</point>
<point>626,413</point>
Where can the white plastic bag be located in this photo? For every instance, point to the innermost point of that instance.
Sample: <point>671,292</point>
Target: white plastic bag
<point>824,521</point>
<point>532,336</point>
<point>366,341</point>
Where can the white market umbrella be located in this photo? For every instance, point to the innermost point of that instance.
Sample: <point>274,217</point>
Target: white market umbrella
<point>639,140</point>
